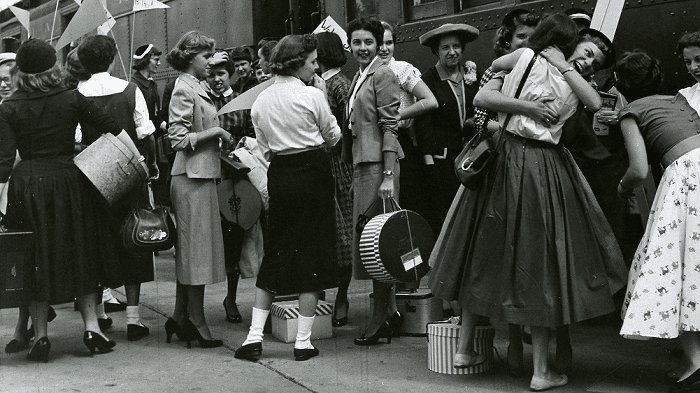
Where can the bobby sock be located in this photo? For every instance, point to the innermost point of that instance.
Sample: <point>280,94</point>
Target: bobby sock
<point>304,333</point>
<point>132,315</point>
<point>107,296</point>
<point>100,311</point>
<point>257,323</point>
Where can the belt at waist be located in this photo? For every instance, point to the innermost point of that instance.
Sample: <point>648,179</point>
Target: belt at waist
<point>296,151</point>
<point>679,149</point>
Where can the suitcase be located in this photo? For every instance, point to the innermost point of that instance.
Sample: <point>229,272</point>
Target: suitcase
<point>15,251</point>
<point>442,345</point>
<point>418,308</point>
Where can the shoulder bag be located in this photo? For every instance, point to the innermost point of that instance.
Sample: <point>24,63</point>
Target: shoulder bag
<point>478,155</point>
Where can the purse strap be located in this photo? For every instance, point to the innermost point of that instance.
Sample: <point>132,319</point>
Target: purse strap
<point>517,94</point>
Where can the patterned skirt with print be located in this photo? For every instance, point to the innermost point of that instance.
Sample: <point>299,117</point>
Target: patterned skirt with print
<point>663,297</point>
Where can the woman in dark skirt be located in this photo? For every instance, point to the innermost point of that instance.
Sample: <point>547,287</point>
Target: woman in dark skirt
<point>49,196</point>
<point>292,122</point>
<point>531,246</point>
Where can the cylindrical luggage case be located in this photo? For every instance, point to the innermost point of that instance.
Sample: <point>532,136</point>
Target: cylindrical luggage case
<point>395,246</point>
<point>442,346</point>
<point>111,167</point>
<point>239,202</point>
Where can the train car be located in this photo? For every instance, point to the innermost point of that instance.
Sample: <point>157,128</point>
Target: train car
<point>653,25</point>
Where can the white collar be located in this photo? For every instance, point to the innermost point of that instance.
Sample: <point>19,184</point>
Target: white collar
<point>330,73</point>
<point>226,93</point>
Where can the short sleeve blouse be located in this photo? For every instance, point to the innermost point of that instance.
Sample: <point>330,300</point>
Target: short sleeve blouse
<point>409,76</point>
<point>544,80</point>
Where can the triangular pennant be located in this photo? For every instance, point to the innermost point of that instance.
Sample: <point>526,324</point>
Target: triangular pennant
<point>89,16</point>
<point>142,5</point>
<point>22,17</point>
<point>330,25</point>
<point>107,26</point>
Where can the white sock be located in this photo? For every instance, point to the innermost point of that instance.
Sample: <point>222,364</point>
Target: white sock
<point>107,296</point>
<point>132,315</point>
<point>304,333</point>
<point>257,324</point>
<point>100,311</point>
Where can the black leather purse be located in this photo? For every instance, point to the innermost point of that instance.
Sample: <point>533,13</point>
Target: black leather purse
<point>477,157</point>
<point>148,229</point>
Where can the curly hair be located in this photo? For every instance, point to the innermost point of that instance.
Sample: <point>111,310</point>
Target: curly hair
<point>291,53</point>
<point>142,63</point>
<point>605,46</point>
<point>511,22</point>
<point>638,75</point>
<point>187,48</point>
<point>75,72</point>
<point>41,81</point>
<point>372,25</point>
<point>688,39</point>
<point>330,50</point>
<point>97,52</point>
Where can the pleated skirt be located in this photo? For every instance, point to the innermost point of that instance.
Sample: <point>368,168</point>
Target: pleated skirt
<point>199,256</point>
<point>663,293</point>
<point>52,198</point>
<point>300,246</point>
<point>531,246</point>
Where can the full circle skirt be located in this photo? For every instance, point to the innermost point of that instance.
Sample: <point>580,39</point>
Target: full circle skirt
<point>71,244</point>
<point>531,246</point>
<point>663,290</point>
<point>300,246</point>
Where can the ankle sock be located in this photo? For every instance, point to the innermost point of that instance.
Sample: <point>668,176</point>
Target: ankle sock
<point>257,324</point>
<point>132,315</point>
<point>100,311</point>
<point>107,296</point>
<point>304,333</point>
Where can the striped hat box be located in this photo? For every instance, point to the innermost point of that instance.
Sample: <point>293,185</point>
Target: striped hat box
<point>369,249</point>
<point>290,309</point>
<point>442,346</point>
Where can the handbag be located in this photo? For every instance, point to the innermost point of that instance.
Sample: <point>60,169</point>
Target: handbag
<point>477,157</point>
<point>148,229</point>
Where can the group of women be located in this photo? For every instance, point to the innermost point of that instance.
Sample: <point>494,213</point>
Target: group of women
<point>530,247</point>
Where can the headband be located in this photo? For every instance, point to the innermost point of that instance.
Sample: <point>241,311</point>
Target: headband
<point>142,55</point>
<point>580,16</point>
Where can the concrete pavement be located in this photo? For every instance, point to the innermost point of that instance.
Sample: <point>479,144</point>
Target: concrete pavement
<point>603,362</point>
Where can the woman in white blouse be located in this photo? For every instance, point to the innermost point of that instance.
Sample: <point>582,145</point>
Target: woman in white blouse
<point>292,122</point>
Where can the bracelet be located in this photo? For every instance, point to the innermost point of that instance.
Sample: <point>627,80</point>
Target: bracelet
<point>388,173</point>
<point>567,70</point>
<point>141,159</point>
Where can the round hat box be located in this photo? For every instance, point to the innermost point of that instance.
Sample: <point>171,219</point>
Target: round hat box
<point>239,202</point>
<point>395,246</point>
<point>111,167</point>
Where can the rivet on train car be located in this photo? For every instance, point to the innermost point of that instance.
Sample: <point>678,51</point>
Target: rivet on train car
<point>673,14</point>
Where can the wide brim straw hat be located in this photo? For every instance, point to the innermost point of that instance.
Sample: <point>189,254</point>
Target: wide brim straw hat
<point>610,58</point>
<point>466,32</point>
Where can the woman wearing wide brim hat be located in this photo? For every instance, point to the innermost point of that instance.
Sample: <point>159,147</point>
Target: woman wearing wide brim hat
<point>50,197</point>
<point>441,133</point>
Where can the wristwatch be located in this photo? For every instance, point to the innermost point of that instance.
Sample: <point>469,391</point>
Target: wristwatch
<point>567,70</point>
<point>388,173</point>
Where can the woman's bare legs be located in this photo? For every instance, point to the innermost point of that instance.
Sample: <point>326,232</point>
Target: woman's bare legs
<point>466,355</point>
<point>543,377</point>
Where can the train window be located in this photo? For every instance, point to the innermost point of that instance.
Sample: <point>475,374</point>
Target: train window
<point>421,9</point>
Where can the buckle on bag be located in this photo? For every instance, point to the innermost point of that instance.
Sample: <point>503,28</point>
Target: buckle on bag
<point>467,160</point>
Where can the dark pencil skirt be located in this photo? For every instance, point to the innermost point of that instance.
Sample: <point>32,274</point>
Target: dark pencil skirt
<point>300,248</point>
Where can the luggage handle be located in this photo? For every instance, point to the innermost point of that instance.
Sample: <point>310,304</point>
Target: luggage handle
<point>123,168</point>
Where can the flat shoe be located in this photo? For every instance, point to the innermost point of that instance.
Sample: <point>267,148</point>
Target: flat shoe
<point>250,352</point>
<point>115,307</point>
<point>539,385</point>
<point>478,359</point>
<point>15,346</point>
<point>105,323</point>
<point>136,332</point>
<point>305,354</point>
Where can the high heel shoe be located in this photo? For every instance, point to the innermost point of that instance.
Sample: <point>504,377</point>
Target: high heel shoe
<point>384,331</point>
<point>192,333</point>
<point>338,322</point>
<point>94,341</point>
<point>172,327</point>
<point>40,351</point>
<point>395,320</point>
<point>232,317</point>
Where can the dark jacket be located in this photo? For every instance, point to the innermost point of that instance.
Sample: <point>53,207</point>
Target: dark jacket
<point>442,127</point>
